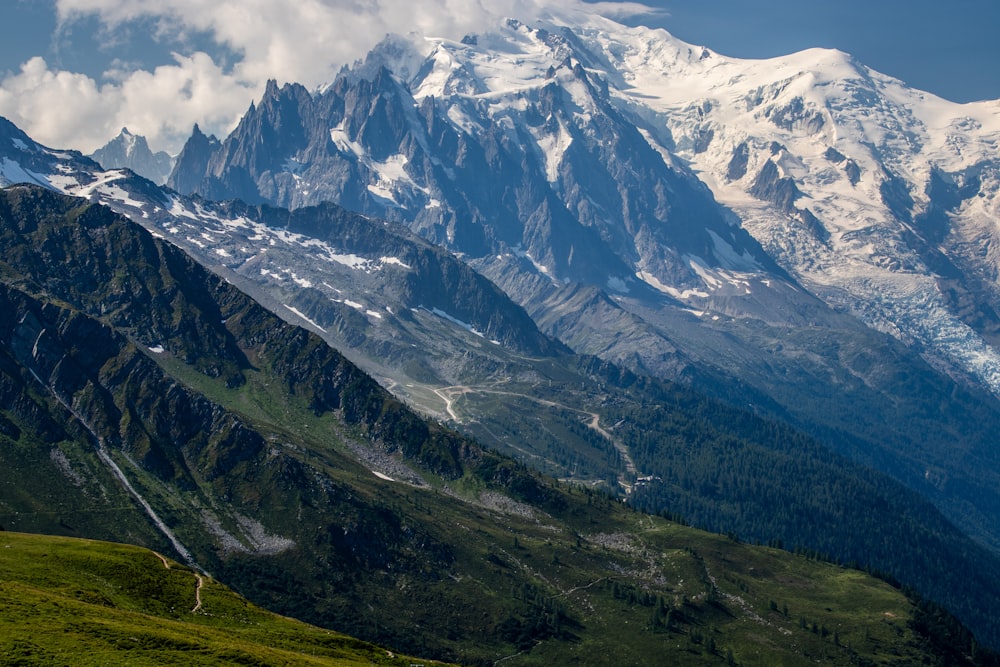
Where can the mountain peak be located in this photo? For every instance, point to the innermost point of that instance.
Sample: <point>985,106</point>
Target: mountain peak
<point>399,55</point>
<point>131,151</point>
<point>192,161</point>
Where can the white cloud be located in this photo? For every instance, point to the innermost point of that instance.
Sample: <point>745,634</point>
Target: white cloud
<point>37,99</point>
<point>68,110</point>
<point>306,41</point>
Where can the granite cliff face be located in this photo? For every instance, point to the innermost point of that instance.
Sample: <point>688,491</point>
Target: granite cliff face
<point>193,159</point>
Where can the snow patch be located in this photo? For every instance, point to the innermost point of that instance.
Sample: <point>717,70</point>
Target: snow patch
<point>728,256</point>
<point>653,282</point>
<point>344,144</point>
<point>396,261</point>
<point>541,268</point>
<point>554,146</point>
<point>303,316</point>
<point>616,284</point>
<point>351,260</point>
<point>454,320</point>
<point>12,172</point>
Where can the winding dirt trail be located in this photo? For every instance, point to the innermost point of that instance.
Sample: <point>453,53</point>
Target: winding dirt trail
<point>450,394</point>
<point>197,588</point>
<point>197,593</point>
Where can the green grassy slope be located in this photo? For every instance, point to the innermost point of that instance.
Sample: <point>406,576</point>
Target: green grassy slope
<point>661,593</point>
<point>69,601</point>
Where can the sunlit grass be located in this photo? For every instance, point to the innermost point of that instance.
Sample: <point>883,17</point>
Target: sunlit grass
<point>66,601</point>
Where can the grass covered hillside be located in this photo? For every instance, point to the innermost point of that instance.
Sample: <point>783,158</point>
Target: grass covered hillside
<point>69,601</point>
<point>81,602</point>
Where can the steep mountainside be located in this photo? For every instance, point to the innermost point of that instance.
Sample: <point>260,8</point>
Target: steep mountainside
<point>154,402</point>
<point>548,410</point>
<point>192,161</point>
<point>850,311</point>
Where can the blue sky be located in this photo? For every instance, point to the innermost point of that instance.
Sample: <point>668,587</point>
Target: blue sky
<point>73,72</point>
<point>950,48</point>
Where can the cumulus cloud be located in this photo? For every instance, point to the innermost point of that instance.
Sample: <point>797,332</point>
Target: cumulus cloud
<point>305,41</point>
<point>69,110</point>
<point>308,40</point>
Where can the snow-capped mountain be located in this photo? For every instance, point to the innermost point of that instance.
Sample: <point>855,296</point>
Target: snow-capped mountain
<point>131,151</point>
<point>802,236</point>
<point>608,150</point>
<point>881,199</point>
<point>22,160</point>
<point>578,203</point>
<point>803,224</point>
